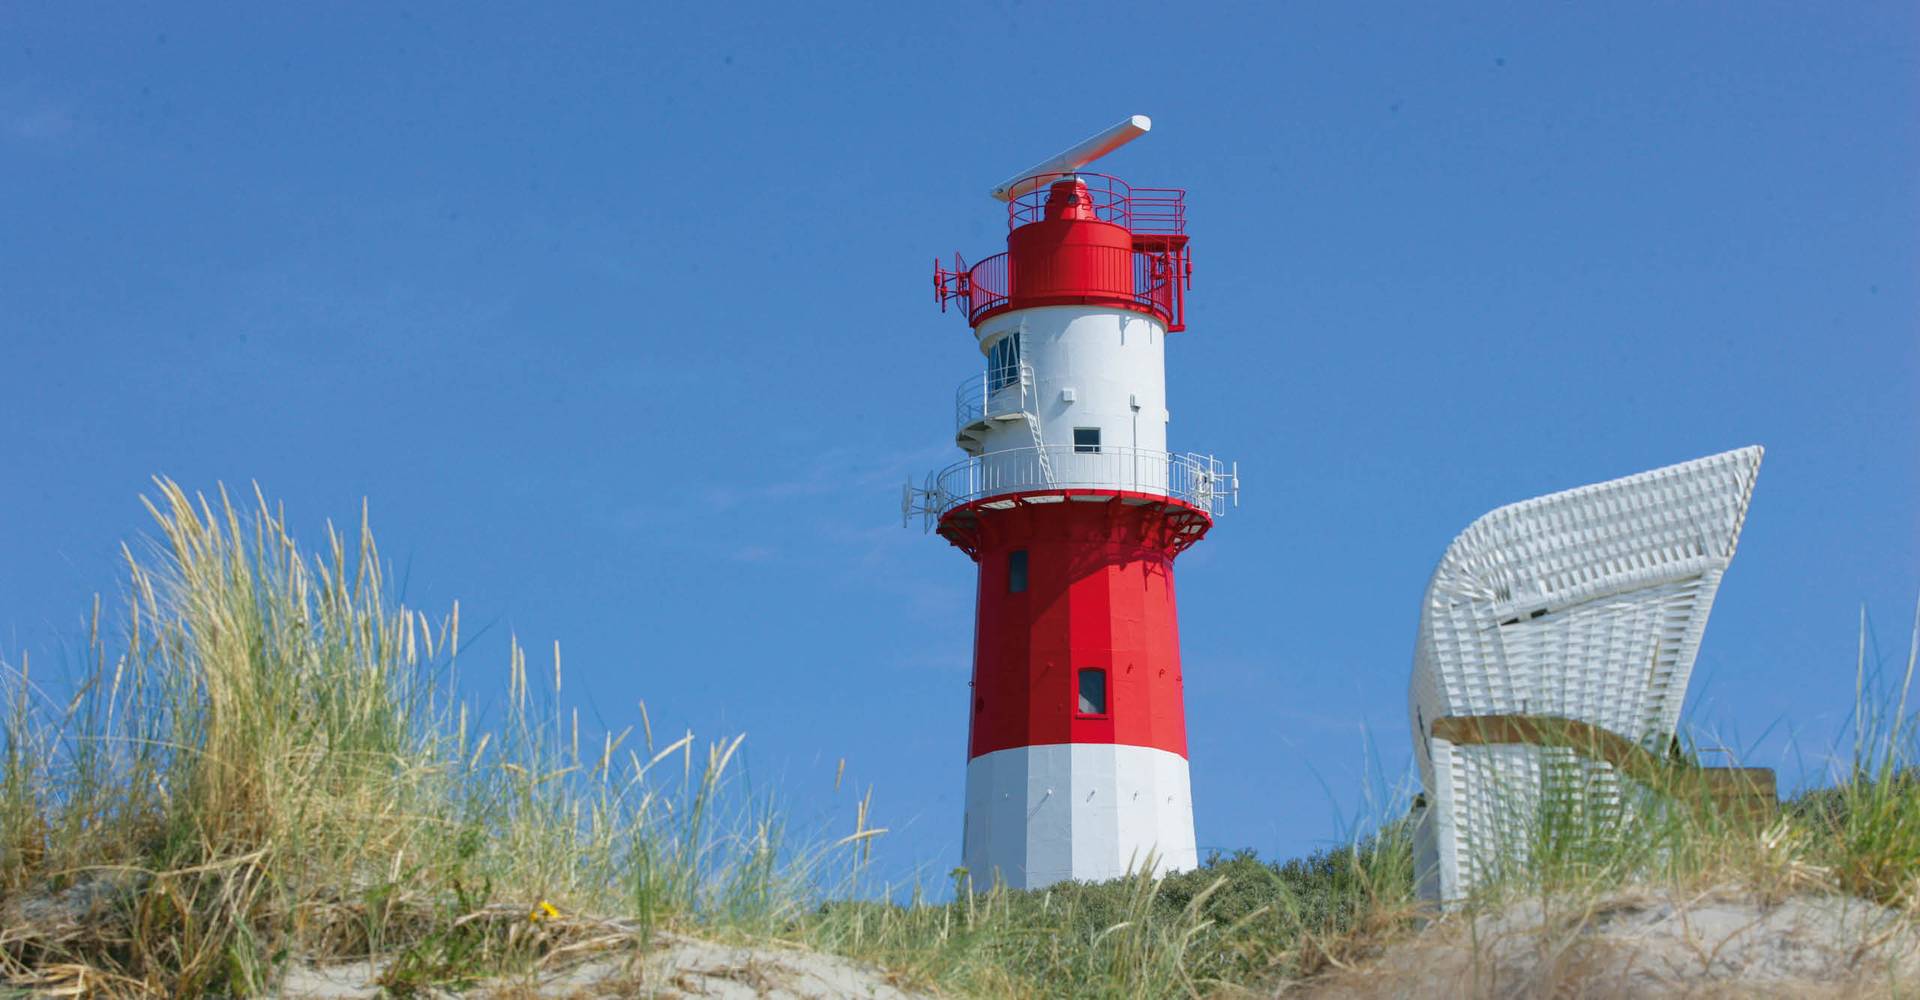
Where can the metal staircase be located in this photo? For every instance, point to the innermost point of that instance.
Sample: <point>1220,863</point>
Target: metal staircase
<point>1030,390</point>
<point>980,405</point>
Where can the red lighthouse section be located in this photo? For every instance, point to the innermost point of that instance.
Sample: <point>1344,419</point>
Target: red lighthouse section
<point>1083,240</point>
<point>1077,636</point>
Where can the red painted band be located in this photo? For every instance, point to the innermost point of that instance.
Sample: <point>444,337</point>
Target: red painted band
<point>1098,595</point>
<point>1184,525</point>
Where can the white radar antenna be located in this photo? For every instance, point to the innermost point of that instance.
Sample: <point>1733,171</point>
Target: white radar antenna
<point>1106,141</point>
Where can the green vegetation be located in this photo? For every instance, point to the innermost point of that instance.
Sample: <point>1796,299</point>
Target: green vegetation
<point>1234,922</point>
<point>267,759</point>
<point>272,761</point>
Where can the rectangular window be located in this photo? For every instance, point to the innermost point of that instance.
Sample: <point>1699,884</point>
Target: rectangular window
<point>1086,439</point>
<point>1017,572</point>
<point>1093,691</point>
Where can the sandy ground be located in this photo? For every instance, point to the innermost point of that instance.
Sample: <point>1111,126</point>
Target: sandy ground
<point>678,967</point>
<point>1717,943</point>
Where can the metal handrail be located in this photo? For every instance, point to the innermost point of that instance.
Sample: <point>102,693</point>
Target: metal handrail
<point>1159,281</point>
<point>988,286</point>
<point>978,398</point>
<point>1199,480</point>
<point>1150,211</point>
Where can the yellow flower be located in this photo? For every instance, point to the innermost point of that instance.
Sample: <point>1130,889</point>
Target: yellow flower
<point>545,911</point>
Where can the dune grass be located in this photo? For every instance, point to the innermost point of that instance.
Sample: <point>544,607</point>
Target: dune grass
<point>1233,925</point>
<point>267,759</point>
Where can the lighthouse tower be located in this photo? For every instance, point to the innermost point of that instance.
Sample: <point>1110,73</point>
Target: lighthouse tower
<point>1074,509</point>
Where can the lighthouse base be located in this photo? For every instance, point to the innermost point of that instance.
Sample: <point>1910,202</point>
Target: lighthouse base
<point>1082,811</point>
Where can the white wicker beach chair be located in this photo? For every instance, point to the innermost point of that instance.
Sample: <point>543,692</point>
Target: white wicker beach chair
<point>1586,605</point>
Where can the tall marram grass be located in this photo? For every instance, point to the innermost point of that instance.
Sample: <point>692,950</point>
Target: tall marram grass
<point>267,756</point>
<point>1862,832</point>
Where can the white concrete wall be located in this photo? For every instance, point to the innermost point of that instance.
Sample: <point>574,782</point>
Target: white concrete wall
<point>1082,811</point>
<point>1112,362</point>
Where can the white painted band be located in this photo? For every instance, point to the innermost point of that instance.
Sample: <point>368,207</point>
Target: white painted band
<point>1084,811</point>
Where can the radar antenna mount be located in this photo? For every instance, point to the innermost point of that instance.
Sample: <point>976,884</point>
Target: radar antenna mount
<point>1073,158</point>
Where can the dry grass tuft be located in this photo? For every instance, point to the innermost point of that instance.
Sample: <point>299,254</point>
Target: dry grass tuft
<point>266,758</point>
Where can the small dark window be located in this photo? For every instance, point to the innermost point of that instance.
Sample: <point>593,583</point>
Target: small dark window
<point>1086,439</point>
<point>1017,572</point>
<point>1093,691</point>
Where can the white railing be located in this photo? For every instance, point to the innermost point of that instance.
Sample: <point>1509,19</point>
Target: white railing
<point>1200,480</point>
<point>993,393</point>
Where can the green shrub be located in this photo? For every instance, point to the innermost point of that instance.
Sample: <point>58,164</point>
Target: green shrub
<point>1235,921</point>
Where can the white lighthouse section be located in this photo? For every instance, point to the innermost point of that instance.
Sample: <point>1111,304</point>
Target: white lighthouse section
<point>1037,815</point>
<point>1071,396</point>
<point>1104,369</point>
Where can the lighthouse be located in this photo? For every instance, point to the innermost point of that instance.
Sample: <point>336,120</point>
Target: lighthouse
<point>1073,508</point>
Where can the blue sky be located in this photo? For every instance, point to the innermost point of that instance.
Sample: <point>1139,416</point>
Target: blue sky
<point>620,318</point>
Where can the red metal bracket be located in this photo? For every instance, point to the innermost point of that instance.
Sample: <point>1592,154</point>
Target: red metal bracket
<point>954,284</point>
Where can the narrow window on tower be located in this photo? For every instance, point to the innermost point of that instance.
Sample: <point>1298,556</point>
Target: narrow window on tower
<point>1086,439</point>
<point>1017,572</point>
<point>1093,691</point>
<point>1003,362</point>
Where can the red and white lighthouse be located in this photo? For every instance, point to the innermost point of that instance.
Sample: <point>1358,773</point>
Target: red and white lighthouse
<point>1074,510</point>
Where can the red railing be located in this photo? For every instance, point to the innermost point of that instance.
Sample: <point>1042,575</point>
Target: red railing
<point>1149,211</point>
<point>1153,274</point>
<point>1159,283</point>
<point>988,287</point>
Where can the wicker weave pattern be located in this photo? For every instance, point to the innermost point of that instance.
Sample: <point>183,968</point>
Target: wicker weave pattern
<point>1587,604</point>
